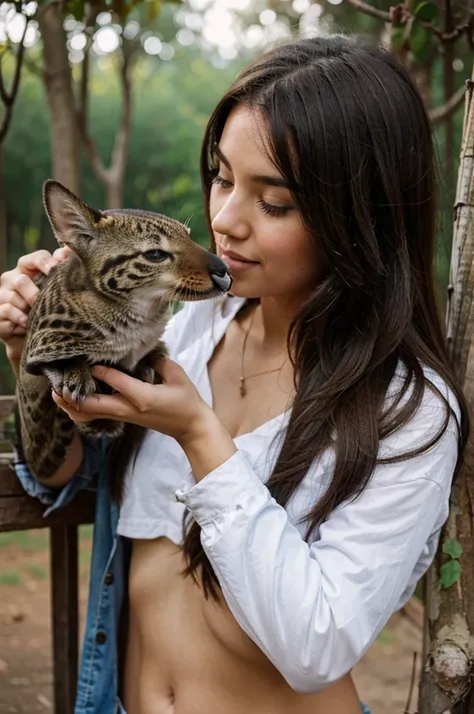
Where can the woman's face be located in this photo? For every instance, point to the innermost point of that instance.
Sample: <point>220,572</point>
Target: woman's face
<point>257,227</point>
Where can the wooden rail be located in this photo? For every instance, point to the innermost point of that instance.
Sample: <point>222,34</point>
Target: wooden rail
<point>18,511</point>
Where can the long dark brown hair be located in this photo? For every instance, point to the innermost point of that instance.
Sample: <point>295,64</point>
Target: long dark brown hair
<point>348,130</point>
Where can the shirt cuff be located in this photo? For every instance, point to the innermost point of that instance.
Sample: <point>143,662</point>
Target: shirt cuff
<point>227,487</point>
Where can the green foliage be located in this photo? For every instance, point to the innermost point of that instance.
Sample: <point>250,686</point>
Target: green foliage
<point>26,541</point>
<point>36,571</point>
<point>426,11</point>
<point>452,548</point>
<point>171,104</point>
<point>122,8</point>
<point>10,577</point>
<point>450,572</point>
<point>420,40</point>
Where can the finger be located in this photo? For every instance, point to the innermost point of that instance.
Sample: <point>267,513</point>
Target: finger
<point>133,389</point>
<point>40,261</point>
<point>7,278</point>
<point>14,298</point>
<point>10,313</point>
<point>6,329</point>
<point>26,288</point>
<point>18,331</point>
<point>69,409</point>
<point>66,406</point>
<point>68,399</point>
<point>170,372</point>
<point>98,406</point>
<point>61,254</point>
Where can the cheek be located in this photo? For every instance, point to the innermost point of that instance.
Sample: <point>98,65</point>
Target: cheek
<point>291,247</point>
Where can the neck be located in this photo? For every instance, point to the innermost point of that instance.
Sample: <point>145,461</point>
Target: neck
<point>273,319</point>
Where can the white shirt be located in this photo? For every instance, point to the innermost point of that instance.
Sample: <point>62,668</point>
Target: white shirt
<point>312,607</point>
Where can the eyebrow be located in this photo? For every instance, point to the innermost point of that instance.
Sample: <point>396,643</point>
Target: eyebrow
<point>277,181</point>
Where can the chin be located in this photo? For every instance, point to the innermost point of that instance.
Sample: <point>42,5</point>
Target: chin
<point>247,293</point>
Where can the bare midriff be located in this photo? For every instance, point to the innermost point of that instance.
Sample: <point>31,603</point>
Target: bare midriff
<point>188,655</point>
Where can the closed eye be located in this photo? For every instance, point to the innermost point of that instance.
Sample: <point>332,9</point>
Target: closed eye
<point>157,255</point>
<point>266,207</point>
<point>221,181</point>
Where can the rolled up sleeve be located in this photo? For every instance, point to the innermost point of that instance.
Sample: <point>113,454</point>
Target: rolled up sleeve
<point>86,477</point>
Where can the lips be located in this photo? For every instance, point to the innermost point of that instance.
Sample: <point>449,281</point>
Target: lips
<point>236,256</point>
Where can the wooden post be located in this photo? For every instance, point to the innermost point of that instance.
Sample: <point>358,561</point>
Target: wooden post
<point>448,671</point>
<point>65,615</point>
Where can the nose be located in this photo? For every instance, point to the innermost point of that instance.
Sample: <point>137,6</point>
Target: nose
<point>219,274</point>
<point>229,219</point>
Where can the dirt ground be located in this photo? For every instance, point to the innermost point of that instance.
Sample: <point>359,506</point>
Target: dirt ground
<point>382,677</point>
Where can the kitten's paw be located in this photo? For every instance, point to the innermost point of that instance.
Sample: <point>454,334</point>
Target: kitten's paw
<point>55,377</point>
<point>78,384</point>
<point>75,382</point>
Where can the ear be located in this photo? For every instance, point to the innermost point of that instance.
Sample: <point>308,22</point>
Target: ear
<point>74,223</point>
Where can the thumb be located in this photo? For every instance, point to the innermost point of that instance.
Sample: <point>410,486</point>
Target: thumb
<point>170,372</point>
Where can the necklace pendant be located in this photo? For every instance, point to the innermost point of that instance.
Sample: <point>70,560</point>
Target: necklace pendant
<point>242,387</point>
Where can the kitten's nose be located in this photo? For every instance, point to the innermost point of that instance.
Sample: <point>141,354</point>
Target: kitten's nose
<point>223,282</point>
<point>219,274</point>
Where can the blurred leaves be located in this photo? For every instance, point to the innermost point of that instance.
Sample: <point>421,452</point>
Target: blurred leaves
<point>420,40</point>
<point>121,8</point>
<point>426,11</point>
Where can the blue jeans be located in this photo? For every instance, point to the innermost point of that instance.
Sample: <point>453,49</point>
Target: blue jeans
<point>365,709</point>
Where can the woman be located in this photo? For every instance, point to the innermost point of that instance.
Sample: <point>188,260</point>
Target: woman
<point>309,426</point>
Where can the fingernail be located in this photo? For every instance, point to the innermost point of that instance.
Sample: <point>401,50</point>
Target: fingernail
<point>24,321</point>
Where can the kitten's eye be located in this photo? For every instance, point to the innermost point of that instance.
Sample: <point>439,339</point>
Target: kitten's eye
<point>156,256</point>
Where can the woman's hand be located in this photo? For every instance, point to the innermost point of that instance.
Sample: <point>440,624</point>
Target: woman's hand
<point>18,293</point>
<point>174,408</point>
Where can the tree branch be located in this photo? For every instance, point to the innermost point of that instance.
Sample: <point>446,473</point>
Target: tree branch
<point>8,98</point>
<point>402,13</point>
<point>369,10</point>
<point>438,114</point>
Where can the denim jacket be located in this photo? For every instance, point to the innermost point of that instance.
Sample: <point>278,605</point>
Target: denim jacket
<point>98,674</point>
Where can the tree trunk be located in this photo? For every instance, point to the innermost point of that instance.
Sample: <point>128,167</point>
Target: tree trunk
<point>114,193</point>
<point>60,96</point>
<point>112,176</point>
<point>448,670</point>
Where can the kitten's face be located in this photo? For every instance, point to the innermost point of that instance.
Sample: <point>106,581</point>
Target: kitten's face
<point>135,254</point>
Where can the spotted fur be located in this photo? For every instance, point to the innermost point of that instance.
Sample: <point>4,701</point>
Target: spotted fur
<point>107,303</point>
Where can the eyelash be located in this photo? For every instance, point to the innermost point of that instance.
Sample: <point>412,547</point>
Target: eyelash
<point>268,208</point>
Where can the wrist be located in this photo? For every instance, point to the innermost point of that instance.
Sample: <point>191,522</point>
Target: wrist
<point>204,423</point>
<point>207,445</point>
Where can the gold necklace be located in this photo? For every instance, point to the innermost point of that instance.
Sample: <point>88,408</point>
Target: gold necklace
<point>243,390</point>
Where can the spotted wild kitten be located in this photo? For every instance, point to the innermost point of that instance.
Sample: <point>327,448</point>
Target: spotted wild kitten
<point>107,303</point>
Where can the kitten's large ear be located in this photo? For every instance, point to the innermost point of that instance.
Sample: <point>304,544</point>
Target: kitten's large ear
<point>73,221</point>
